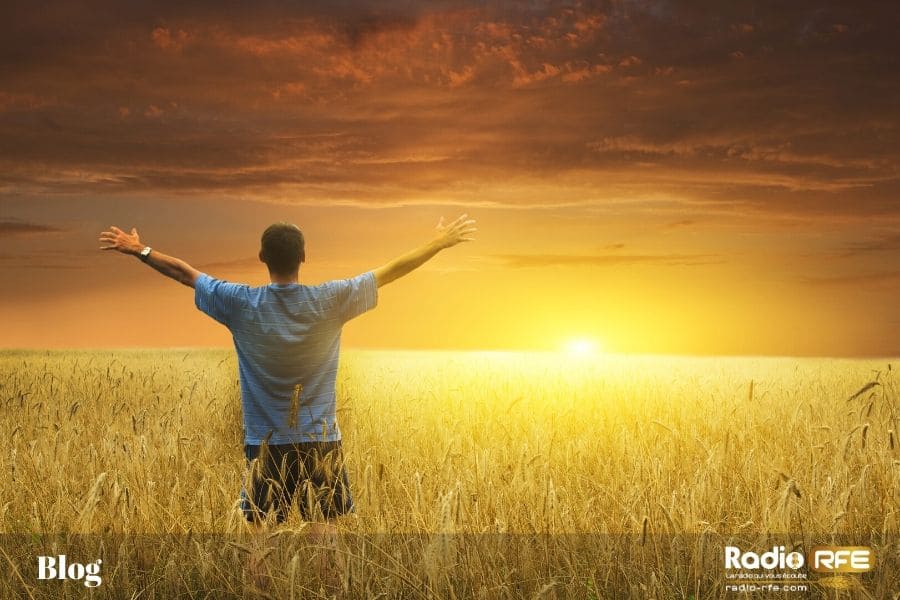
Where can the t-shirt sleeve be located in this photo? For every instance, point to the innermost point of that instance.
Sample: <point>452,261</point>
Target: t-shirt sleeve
<point>217,298</point>
<point>355,296</point>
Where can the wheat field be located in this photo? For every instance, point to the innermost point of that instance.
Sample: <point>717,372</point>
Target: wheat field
<point>475,475</point>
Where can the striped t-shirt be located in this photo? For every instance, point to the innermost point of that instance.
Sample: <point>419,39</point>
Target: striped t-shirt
<point>287,338</point>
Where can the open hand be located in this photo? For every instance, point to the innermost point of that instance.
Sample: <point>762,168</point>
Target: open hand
<point>460,230</point>
<point>116,239</point>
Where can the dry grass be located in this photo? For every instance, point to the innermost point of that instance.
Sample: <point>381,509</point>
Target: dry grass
<point>475,475</point>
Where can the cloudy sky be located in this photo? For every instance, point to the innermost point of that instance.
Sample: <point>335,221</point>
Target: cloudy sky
<point>690,177</point>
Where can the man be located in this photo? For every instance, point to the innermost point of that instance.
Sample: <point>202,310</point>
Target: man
<point>287,338</point>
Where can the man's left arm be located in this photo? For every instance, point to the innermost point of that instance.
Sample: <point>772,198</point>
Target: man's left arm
<point>130,243</point>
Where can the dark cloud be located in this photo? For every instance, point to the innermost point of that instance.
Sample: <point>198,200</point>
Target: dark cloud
<point>857,280</point>
<point>602,260</point>
<point>43,260</point>
<point>681,223</point>
<point>883,244</point>
<point>14,227</point>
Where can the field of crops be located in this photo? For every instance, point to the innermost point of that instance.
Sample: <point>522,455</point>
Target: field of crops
<point>475,475</point>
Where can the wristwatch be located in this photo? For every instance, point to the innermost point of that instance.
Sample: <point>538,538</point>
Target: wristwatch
<point>145,253</point>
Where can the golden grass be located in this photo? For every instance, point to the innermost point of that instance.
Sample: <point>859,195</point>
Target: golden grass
<point>625,472</point>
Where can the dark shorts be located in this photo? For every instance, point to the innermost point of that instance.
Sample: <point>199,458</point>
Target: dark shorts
<point>311,472</point>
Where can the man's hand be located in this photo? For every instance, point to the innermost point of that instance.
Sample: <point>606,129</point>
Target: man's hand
<point>126,243</point>
<point>460,230</point>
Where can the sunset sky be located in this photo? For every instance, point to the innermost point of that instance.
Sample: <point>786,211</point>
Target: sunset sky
<point>690,177</point>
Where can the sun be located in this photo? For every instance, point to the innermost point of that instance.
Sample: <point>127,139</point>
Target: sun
<point>582,347</point>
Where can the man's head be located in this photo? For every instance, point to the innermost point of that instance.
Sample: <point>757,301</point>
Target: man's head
<point>282,248</point>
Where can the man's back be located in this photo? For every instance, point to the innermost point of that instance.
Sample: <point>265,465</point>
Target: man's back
<point>287,338</point>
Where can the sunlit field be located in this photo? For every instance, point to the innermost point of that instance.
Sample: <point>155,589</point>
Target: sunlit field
<point>475,475</point>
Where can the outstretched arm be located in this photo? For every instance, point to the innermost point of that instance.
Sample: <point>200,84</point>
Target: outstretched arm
<point>460,230</point>
<point>130,243</point>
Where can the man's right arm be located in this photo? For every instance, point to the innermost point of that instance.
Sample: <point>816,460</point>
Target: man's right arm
<point>130,243</point>
<point>460,230</point>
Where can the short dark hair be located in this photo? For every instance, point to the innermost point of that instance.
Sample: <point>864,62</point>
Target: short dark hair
<point>282,248</point>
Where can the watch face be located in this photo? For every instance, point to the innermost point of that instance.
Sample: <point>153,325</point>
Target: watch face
<point>145,252</point>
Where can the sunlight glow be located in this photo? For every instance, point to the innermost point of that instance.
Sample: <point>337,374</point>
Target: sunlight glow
<point>582,347</point>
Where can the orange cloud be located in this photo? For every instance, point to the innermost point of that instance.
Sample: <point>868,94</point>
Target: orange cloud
<point>172,42</point>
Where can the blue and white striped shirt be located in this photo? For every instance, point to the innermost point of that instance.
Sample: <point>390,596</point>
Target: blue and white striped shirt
<point>287,338</point>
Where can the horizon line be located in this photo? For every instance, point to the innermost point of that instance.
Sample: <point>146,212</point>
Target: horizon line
<point>597,354</point>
